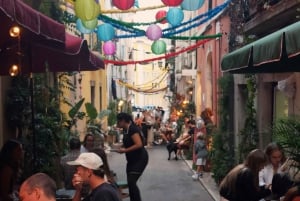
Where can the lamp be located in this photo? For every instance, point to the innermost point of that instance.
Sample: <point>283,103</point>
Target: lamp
<point>14,31</point>
<point>14,70</point>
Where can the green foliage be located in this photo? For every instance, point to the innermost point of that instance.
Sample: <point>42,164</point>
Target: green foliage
<point>222,153</point>
<point>112,117</point>
<point>188,111</point>
<point>75,109</point>
<point>91,111</point>
<point>249,134</point>
<point>287,133</point>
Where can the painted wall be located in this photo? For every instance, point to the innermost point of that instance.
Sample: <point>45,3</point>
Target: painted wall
<point>209,57</point>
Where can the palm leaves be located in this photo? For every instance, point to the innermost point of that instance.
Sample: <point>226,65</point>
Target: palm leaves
<point>287,133</point>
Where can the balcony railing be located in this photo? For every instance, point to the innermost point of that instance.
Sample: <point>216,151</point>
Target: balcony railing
<point>265,16</point>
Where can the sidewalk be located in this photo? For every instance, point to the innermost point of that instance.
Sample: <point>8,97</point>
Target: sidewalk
<point>208,182</point>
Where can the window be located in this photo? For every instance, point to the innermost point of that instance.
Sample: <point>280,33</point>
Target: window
<point>209,4</point>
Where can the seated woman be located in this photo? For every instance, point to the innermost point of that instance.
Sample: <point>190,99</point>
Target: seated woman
<point>185,141</point>
<point>241,183</point>
<point>276,158</point>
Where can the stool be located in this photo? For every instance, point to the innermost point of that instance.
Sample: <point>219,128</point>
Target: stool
<point>123,185</point>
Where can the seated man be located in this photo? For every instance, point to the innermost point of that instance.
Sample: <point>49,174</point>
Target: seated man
<point>38,187</point>
<point>68,171</point>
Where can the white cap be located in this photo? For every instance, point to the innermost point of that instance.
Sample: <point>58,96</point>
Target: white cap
<point>88,160</point>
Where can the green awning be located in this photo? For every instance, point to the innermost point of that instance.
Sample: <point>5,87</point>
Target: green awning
<point>277,52</point>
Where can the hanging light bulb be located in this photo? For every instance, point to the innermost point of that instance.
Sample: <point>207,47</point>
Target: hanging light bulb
<point>14,31</point>
<point>14,70</point>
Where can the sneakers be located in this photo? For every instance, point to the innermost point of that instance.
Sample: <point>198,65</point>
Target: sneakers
<point>196,176</point>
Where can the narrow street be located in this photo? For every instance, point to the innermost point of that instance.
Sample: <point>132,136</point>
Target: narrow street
<point>163,180</point>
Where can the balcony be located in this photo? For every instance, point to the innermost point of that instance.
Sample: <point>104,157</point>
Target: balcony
<point>265,18</point>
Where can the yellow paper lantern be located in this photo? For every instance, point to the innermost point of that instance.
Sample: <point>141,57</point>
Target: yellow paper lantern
<point>87,9</point>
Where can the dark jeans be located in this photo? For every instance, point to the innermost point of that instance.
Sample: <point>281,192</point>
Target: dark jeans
<point>134,191</point>
<point>134,170</point>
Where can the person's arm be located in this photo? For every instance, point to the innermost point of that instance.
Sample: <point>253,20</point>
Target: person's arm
<point>137,144</point>
<point>6,175</point>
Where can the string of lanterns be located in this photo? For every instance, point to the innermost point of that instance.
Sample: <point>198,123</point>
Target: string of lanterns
<point>174,18</point>
<point>112,11</point>
<point>160,48</point>
<point>88,13</point>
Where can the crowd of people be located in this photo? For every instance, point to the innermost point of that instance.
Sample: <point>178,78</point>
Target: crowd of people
<point>262,176</point>
<point>85,169</point>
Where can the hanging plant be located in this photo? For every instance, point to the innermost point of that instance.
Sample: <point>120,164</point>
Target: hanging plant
<point>249,134</point>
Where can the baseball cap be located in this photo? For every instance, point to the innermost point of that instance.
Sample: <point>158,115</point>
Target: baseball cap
<point>88,160</point>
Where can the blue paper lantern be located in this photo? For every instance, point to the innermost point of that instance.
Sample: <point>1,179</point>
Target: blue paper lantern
<point>81,28</point>
<point>105,32</point>
<point>159,47</point>
<point>175,16</point>
<point>192,5</point>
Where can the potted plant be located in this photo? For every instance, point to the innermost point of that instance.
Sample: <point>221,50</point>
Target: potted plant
<point>287,133</point>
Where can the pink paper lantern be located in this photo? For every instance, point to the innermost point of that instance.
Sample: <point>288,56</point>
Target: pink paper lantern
<point>160,15</point>
<point>109,48</point>
<point>123,4</point>
<point>172,2</point>
<point>153,32</point>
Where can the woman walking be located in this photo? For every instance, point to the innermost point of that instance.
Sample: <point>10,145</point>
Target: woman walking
<point>136,154</point>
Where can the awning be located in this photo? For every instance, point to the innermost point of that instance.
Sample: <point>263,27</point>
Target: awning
<point>277,52</point>
<point>45,46</point>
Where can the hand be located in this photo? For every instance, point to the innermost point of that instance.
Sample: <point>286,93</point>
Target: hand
<point>121,150</point>
<point>77,182</point>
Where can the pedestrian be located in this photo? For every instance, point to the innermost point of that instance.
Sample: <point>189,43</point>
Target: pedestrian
<point>136,154</point>
<point>10,162</point>
<point>90,171</point>
<point>241,183</point>
<point>276,158</point>
<point>201,153</point>
<point>69,171</point>
<point>38,187</point>
<point>88,143</point>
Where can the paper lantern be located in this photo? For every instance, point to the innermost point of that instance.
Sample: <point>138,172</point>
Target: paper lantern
<point>87,9</point>
<point>81,28</point>
<point>90,24</point>
<point>159,47</point>
<point>192,5</point>
<point>153,32</point>
<point>175,16</point>
<point>123,4</point>
<point>160,15</point>
<point>105,32</point>
<point>172,2</point>
<point>109,48</point>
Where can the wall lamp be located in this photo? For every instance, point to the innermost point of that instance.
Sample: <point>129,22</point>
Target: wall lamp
<point>15,32</point>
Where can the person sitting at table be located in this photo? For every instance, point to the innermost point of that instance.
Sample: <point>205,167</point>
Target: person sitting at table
<point>90,171</point>
<point>38,187</point>
<point>68,171</point>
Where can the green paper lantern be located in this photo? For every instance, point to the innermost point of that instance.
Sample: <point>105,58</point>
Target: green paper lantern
<point>87,9</point>
<point>90,24</point>
<point>159,47</point>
